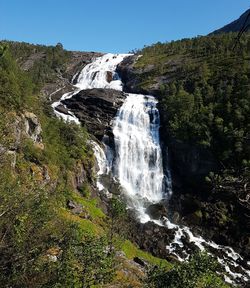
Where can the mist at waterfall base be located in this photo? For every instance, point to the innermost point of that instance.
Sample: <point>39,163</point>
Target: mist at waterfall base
<point>136,162</point>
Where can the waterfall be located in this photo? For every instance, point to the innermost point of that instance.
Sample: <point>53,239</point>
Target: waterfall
<point>137,161</point>
<point>101,73</point>
<point>98,74</point>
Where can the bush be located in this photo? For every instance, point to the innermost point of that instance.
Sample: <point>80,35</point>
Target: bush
<point>199,272</point>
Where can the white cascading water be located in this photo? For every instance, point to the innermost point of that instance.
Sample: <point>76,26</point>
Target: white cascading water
<point>137,163</point>
<point>93,75</point>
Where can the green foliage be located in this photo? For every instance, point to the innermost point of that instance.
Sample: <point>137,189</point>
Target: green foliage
<point>84,262</point>
<point>117,208</point>
<point>65,142</point>
<point>205,99</point>
<point>47,61</point>
<point>43,244</point>
<point>117,223</point>
<point>16,87</point>
<point>199,272</point>
<point>24,213</point>
<point>131,251</point>
<point>31,152</point>
<point>33,231</point>
<point>3,48</point>
<point>54,61</point>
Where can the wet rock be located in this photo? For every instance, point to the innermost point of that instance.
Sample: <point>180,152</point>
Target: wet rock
<point>157,211</point>
<point>151,237</point>
<point>109,76</point>
<point>62,109</point>
<point>95,108</point>
<point>112,185</point>
<point>176,217</point>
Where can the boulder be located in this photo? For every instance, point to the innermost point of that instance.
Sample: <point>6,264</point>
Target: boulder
<point>62,109</point>
<point>75,207</point>
<point>109,76</point>
<point>157,211</point>
<point>95,108</point>
<point>33,127</point>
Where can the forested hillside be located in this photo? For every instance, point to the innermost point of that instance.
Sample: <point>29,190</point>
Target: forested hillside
<point>40,158</point>
<point>204,93</point>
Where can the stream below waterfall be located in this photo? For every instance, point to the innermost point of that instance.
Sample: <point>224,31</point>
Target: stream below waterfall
<point>136,162</point>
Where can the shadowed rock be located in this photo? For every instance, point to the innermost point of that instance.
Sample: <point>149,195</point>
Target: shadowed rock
<point>95,108</point>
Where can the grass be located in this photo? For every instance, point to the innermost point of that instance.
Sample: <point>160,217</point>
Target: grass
<point>85,225</point>
<point>131,251</point>
<point>90,205</point>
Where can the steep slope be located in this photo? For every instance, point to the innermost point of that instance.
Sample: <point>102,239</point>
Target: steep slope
<point>237,25</point>
<point>203,92</point>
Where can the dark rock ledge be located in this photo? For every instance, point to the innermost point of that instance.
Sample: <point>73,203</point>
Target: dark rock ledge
<point>95,109</point>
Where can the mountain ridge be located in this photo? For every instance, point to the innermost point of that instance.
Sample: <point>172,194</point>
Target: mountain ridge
<point>236,25</point>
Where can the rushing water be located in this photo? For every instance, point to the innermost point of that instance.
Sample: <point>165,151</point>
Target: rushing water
<point>137,161</point>
<point>93,75</point>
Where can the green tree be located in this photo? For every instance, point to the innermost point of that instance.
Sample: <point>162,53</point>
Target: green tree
<point>199,272</point>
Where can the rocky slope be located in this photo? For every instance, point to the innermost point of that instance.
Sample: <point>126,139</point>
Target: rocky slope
<point>95,108</point>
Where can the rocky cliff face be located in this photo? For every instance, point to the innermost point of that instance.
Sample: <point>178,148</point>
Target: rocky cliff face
<point>133,77</point>
<point>129,75</point>
<point>95,108</point>
<point>64,81</point>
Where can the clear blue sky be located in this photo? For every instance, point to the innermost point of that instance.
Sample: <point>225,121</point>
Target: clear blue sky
<point>113,26</point>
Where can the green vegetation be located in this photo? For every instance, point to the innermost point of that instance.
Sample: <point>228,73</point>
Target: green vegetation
<point>16,87</point>
<point>46,61</point>
<point>43,243</point>
<point>199,272</point>
<point>131,251</point>
<point>205,97</point>
<point>203,86</point>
